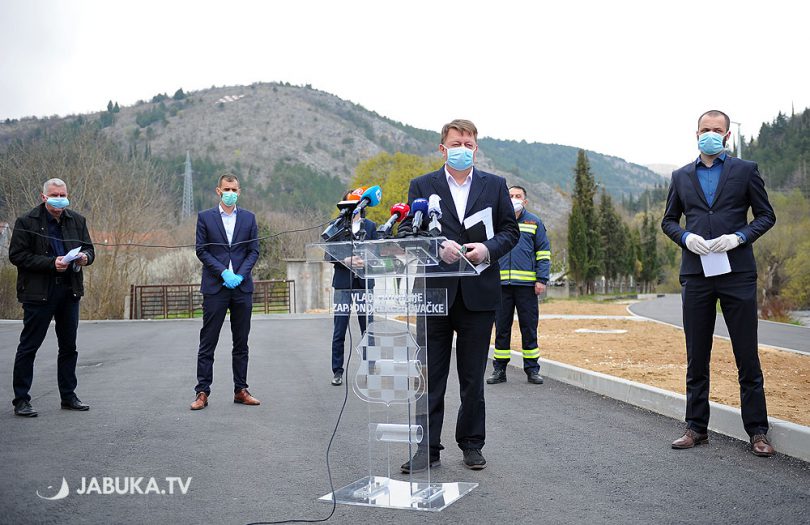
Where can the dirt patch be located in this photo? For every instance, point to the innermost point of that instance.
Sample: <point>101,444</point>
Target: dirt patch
<point>574,307</point>
<point>654,354</point>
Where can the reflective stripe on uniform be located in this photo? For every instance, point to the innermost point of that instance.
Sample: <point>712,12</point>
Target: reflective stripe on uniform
<point>534,353</point>
<point>503,354</point>
<point>528,228</point>
<point>543,255</point>
<point>518,275</point>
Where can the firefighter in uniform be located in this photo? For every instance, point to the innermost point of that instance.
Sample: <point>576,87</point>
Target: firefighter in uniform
<point>524,275</point>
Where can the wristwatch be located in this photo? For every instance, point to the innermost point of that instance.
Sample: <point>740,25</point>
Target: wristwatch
<point>741,238</point>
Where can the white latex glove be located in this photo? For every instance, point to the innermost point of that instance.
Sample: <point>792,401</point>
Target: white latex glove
<point>724,243</point>
<point>477,252</point>
<point>450,251</point>
<point>697,244</point>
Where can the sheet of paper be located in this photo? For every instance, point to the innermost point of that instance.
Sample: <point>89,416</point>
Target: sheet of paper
<point>484,217</point>
<point>715,264</point>
<point>72,255</point>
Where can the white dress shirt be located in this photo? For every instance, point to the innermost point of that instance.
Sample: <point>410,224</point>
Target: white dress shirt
<point>460,192</point>
<point>229,222</point>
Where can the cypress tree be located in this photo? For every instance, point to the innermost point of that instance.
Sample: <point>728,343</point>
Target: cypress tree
<point>587,265</point>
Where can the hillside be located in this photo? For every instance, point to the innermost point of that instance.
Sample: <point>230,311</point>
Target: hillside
<point>782,150</point>
<point>278,136</point>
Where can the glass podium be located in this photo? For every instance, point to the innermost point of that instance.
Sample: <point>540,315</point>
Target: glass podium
<point>390,372</point>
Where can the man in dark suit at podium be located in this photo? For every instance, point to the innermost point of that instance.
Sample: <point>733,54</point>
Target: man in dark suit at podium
<point>472,301</point>
<point>714,193</point>
<point>228,246</point>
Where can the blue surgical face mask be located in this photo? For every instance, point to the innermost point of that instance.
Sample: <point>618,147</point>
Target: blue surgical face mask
<point>710,143</point>
<point>459,158</point>
<point>58,202</point>
<point>229,198</point>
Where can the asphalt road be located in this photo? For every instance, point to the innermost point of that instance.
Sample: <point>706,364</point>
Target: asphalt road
<point>556,454</point>
<point>669,310</point>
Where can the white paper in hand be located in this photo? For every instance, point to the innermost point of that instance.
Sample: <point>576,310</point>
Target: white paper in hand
<point>715,264</point>
<point>72,255</point>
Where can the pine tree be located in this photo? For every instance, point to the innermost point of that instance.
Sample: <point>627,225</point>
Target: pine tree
<point>613,238</point>
<point>110,106</point>
<point>649,252</point>
<point>585,260</point>
<point>577,247</point>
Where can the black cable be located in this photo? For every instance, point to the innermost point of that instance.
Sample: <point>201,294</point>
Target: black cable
<point>348,361</point>
<point>328,448</point>
<point>140,245</point>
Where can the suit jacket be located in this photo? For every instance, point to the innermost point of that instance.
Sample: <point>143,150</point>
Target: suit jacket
<point>343,278</point>
<point>483,292</point>
<point>740,187</point>
<point>243,251</point>
<point>30,251</point>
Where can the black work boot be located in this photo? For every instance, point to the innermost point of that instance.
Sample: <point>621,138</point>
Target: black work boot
<point>498,376</point>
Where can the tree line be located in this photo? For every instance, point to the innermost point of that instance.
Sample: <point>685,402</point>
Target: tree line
<point>131,198</point>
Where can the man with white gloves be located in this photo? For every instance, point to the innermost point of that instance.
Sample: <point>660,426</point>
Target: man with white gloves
<point>714,193</point>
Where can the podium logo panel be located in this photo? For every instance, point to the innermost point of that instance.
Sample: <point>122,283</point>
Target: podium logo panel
<point>389,371</point>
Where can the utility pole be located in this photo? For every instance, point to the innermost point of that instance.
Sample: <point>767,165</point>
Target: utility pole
<point>188,191</point>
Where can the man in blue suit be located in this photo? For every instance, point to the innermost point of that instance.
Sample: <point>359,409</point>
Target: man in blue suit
<point>228,246</point>
<point>714,193</point>
<point>472,301</point>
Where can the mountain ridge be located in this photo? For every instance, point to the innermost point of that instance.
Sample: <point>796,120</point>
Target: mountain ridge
<point>256,127</point>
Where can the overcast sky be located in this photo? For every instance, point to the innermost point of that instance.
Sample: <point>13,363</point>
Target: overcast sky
<point>623,78</point>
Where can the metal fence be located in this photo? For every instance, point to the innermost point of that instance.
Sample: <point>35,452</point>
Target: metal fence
<point>178,301</point>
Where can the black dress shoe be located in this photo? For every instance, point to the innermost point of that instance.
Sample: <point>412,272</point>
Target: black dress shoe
<point>535,377</point>
<point>74,404</point>
<point>419,462</point>
<point>498,376</point>
<point>24,409</point>
<point>473,459</point>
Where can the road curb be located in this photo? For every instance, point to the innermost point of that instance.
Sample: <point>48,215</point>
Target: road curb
<point>788,438</point>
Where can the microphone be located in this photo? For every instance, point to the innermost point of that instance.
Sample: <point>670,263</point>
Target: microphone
<point>435,212</point>
<point>370,197</point>
<point>357,193</point>
<point>398,213</point>
<point>337,228</point>
<point>419,207</point>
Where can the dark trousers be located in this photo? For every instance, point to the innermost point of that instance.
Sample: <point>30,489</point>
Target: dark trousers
<point>737,293</point>
<point>473,330</point>
<point>524,300</point>
<point>63,307</point>
<point>343,299</point>
<point>215,307</point>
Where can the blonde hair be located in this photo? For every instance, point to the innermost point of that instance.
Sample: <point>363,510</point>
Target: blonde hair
<point>462,126</point>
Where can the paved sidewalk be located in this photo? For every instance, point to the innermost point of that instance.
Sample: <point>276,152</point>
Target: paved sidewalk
<point>668,309</point>
<point>556,453</point>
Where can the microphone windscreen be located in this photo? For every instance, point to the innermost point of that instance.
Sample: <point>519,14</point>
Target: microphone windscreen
<point>419,205</point>
<point>434,206</point>
<point>373,194</point>
<point>401,209</point>
<point>356,194</point>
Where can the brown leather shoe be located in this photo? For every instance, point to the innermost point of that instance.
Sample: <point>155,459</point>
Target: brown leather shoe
<point>243,397</point>
<point>689,439</point>
<point>760,446</point>
<point>200,402</point>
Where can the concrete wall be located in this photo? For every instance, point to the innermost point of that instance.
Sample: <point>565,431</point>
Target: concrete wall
<point>313,284</point>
